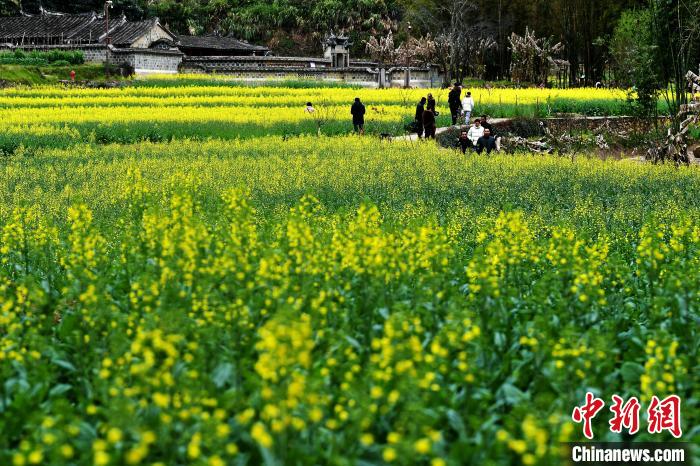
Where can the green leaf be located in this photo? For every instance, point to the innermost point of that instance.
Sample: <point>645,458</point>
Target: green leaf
<point>510,394</point>
<point>631,372</point>
<point>268,458</point>
<point>222,374</point>
<point>499,339</point>
<point>455,421</point>
<point>354,343</point>
<point>64,364</point>
<point>59,389</point>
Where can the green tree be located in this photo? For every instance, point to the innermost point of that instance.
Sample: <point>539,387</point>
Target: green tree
<point>633,63</point>
<point>676,27</point>
<point>9,7</point>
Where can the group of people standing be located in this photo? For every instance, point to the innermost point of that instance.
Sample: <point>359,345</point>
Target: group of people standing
<point>478,137</point>
<point>460,106</point>
<point>425,117</point>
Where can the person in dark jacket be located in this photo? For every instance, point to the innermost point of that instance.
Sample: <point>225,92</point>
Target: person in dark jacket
<point>429,122</point>
<point>431,102</point>
<point>464,141</point>
<point>420,108</point>
<point>453,99</point>
<point>358,116</point>
<point>487,142</point>
<point>486,125</point>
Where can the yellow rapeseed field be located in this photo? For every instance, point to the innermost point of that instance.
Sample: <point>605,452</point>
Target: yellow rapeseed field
<point>258,297</point>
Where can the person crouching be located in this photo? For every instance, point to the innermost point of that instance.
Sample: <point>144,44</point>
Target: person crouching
<point>486,142</point>
<point>475,132</point>
<point>464,142</point>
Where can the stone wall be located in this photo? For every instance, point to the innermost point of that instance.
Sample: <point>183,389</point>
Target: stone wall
<point>97,54</point>
<point>215,63</point>
<point>256,69</point>
<point>259,74</point>
<point>421,78</point>
<point>143,60</point>
<point>611,123</point>
<point>146,61</point>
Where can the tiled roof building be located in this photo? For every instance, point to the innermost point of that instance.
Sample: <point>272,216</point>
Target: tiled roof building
<point>48,28</point>
<point>212,45</point>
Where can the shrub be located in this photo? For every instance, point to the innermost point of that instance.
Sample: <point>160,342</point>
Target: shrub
<point>449,137</point>
<point>39,58</point>
<point>127,69</point>
<point>524,127</point>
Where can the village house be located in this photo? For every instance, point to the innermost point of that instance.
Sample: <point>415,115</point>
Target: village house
<point>215,45</point>
<point>150,47</point>
<point>147,46</point>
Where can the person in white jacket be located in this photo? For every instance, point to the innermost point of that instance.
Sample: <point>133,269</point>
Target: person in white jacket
<point>475,132</point>
<point>467,107</point>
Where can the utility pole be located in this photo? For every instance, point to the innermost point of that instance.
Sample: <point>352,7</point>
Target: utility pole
<point>108,40</point>
<point>407,84</point>
<point>108,5</point>
<point>500,41</point>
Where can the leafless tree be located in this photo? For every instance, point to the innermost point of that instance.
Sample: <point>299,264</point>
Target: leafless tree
<point>442,57</point>
<point>381,50</point>
<point>533,58</point>
<point>467,43</point>
<point>484,45</point>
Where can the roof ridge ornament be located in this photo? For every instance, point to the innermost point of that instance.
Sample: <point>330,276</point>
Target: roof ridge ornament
<point>46,12</point>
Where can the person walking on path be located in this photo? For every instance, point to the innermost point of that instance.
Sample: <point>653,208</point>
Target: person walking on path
<point>467,107</point>
<point>475,132</point>
<point>453,101</point>
<point>429,122</point>
<point>358,116</point>
<point>486,142</point>
<point>420,108</point>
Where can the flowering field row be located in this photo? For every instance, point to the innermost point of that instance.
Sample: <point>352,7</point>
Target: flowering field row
<point>405,306</point>
<point>56,117</point>
<point>285,96</point>
<point>57,128</point>
<point>157,115</point>
<point>500,106</point>
<point>497,102</point>
<point>588,192</point>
